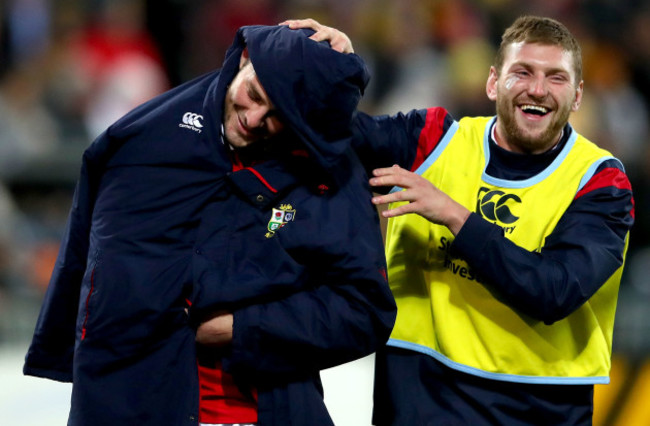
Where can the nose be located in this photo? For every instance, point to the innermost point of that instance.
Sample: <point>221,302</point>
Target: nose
<point>256,116</point>
<point>537,86</point>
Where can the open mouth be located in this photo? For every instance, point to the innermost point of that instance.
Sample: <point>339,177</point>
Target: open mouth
<point>535,110</point>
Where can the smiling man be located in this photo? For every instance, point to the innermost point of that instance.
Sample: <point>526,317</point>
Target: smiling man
<point>221,249</point>
<point>505,244</point>
<point>507,275</point>
<point>536,86</point>
<point>249,114</point>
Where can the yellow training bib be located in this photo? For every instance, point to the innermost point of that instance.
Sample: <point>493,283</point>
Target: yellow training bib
<point>443,309</point>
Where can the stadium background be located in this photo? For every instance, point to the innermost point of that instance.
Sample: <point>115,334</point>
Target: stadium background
<point>68,68</point>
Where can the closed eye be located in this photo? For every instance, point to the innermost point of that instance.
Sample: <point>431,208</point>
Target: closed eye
<point>254,94</point>
<point>559,78</point>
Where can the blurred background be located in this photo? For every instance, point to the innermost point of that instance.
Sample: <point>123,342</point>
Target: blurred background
<point>69,68</point>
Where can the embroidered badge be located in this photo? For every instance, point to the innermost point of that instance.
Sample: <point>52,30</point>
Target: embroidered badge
<point>280,216</point>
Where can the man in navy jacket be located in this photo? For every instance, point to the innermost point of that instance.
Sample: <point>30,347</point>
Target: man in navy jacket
<point>234,205</point>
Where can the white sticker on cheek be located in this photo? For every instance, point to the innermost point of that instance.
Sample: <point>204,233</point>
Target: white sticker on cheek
<point>510,81</point>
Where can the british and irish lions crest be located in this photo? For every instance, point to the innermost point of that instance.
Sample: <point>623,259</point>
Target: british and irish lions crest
<point>280,216</point>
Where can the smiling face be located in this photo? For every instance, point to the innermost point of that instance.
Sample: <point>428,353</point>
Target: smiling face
<point>249,114</point>
<point>535,92</point>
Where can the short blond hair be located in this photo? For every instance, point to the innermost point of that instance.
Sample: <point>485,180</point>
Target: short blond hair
<point>537,29</point>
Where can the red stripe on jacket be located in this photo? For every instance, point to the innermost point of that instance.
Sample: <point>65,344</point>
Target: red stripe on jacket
<point>430,135</point>
<point>608,177</point>
<point>261,178</point>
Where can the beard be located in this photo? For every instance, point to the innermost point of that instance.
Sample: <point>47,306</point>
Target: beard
<point>527,141</point>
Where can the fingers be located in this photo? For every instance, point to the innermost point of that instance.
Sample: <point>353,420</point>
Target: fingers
<point>398,211</point>
<point>390,198</point>
<point>412,205</point>
<point>295,24</point>
<point>416,191</point>
<point>394,169</point>
<point>390,176</point>
<point>420,196</point>
<point>337,39</point>
<point>340,42</point>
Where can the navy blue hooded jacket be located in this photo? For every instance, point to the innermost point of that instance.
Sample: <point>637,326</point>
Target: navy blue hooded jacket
<point>161,219</point>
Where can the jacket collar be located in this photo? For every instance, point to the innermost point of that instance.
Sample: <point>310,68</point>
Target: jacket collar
<point>265,184</point>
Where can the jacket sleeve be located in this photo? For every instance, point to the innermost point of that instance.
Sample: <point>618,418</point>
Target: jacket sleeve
<point>583,251</point>
<point>346,312</point>
<point>51,351</point>
<point>406,139</point>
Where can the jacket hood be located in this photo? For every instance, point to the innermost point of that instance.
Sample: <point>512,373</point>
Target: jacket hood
<point>315,89</point>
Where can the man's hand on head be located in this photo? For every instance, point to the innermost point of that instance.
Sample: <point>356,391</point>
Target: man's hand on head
<point>337,39</point>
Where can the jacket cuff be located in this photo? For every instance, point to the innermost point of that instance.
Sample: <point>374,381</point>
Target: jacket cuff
<point>45,373</point>
<point>245,340</point>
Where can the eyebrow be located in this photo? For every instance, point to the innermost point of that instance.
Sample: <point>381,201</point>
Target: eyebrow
<point>554,70</point>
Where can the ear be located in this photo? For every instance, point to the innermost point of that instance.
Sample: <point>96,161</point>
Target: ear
<point>491,85</point>
<point>578,99</point>
<point>244,58</point>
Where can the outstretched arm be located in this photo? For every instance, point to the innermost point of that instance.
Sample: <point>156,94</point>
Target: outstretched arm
<point>586,247</point>
<point>337,39</point>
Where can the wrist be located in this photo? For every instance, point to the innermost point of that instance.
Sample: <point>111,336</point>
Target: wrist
<point>457,217</point>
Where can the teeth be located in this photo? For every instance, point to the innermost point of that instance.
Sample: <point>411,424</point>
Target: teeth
<point>531,108</point>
